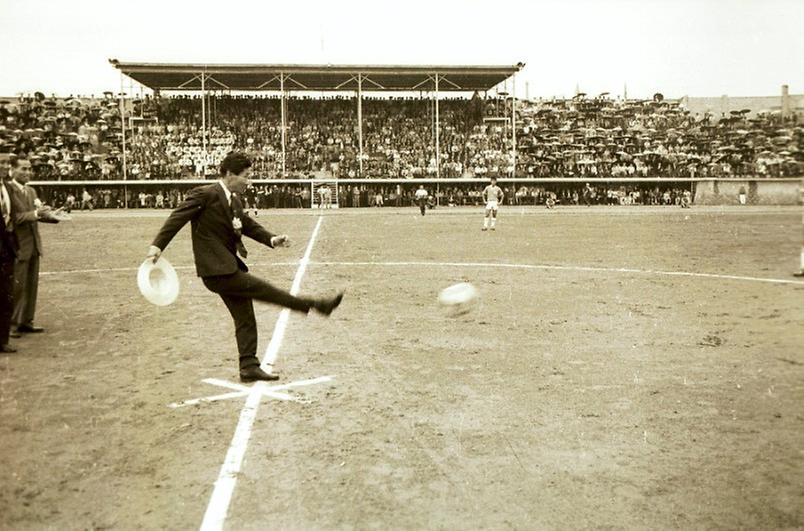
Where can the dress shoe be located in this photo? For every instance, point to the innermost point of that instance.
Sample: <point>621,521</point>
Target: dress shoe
<point>7,348</point>
<point>14,334</point>
<point>326,306</point>
<point>254,373</point>
<point>30,329</point>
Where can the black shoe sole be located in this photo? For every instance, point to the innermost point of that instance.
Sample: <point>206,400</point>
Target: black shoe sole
<point>252,380</point>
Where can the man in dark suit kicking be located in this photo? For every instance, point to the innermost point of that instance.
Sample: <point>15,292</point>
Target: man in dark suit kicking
<point>218,222</point>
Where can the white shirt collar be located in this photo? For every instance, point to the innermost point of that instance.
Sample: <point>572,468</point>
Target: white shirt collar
<point>5,200</point>
<point>226,191</point>
<point>17,184</point>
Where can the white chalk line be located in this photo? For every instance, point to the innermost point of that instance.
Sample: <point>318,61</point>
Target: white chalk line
<point>214,398</point>
<point>242,390</point>
<point>269,392</point>
<point>276,339</point>
<point>561,268</point>
<point>215,514</point>
<point>483,265</point>
<point>228,385</point>
<point>218,506</point>
<point>133,269</point>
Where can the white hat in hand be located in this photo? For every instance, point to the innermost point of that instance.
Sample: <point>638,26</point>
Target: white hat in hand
<point>158,282</point>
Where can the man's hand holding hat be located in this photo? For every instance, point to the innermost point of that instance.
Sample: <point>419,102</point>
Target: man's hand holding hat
<point>153,253</point>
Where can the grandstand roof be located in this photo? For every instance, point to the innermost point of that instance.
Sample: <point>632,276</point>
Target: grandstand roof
<point>259,77</point>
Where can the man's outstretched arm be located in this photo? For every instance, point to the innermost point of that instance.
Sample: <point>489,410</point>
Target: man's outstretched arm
<point>257,232</point>
<point>193,204</point>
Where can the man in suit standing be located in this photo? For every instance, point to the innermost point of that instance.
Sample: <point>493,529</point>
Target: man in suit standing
<point>8,252</point>
<point>28,212</point>
<point>217,220</point>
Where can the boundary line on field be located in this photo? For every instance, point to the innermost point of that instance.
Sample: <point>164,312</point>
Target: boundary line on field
<point>221,497</point>
<point>475,264</point>
<point>134,269</point>
<point>565,268</point>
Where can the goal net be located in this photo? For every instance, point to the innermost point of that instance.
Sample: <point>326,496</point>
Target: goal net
<point>324,194</point>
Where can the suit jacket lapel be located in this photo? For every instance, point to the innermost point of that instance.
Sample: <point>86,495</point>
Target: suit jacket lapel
<point>26,196</point>
<point>226,207</point>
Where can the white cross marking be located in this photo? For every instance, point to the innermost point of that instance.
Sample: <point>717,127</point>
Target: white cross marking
<point>244,390</point>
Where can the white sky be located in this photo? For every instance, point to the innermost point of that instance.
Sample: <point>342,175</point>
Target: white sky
<point>677,47</point>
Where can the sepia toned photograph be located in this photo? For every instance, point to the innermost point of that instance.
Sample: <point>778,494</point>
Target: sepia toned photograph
<point>402,265</point>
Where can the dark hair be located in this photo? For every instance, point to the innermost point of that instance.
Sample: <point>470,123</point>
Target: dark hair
<point>234,163</point>
<point>14,160</point>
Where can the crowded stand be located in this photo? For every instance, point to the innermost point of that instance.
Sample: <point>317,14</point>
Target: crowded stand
<point>601,137</point>
<point>64,138</point>
<point>81,138</point>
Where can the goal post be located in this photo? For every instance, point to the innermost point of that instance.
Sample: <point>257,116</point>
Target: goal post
<point>324,193</point>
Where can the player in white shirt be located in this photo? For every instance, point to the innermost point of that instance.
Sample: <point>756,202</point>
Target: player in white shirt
<point>493,197</point>
<point>421,198</point>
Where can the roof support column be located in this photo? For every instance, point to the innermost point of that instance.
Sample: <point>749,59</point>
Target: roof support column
<point>282,112</point>
<point>210,103</point>
<point>360,120</point>
<point>513,125</point>
<point>437,127</point>
<point>203,128</point>
<point>123,131</point>
<point>438,141</point>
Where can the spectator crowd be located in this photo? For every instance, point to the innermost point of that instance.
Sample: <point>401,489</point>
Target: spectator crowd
<point>600,137</point>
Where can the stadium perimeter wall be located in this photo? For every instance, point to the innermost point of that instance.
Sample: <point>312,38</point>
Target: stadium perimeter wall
<point>709,191</point>
<point>757,192</point>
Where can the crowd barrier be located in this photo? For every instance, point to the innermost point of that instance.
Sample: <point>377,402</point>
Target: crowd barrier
<point>748,191</point>
<point>707,191</point>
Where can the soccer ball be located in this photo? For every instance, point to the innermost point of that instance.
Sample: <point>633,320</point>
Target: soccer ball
<point>458,299</point>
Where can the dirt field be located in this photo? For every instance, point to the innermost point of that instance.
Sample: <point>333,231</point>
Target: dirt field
<point>594,386</point>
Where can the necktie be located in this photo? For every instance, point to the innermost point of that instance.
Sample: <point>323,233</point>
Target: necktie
<point>237,209</point>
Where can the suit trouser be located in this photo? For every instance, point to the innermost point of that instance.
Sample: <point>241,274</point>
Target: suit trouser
<point>238,290</point>
<point>26,288</point>
<point>6,293</point>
